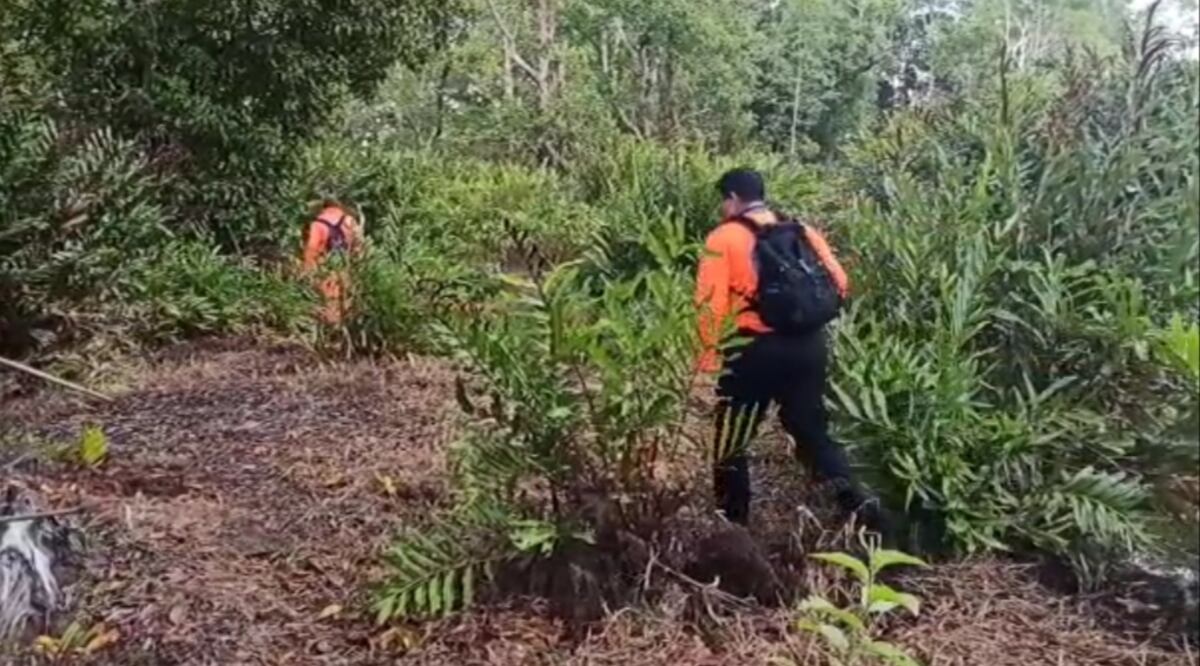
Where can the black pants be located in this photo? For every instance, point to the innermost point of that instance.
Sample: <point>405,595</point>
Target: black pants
<point>773,369</point>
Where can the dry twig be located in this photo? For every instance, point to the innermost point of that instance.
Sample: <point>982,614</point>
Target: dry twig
<point>40,514</point>
<point>17,365</point>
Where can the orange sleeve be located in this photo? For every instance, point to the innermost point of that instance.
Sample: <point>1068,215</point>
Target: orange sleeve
<point>712,299</point>
<point>825,254</point>
<point>314,247</point>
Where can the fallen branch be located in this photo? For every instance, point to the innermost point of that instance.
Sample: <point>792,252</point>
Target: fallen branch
<point>41,514</point>
<point>52,379</point>
<point>17,462</point>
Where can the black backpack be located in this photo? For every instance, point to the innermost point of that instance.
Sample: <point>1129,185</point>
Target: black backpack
<point>796,294</point>
<point>337,243</point>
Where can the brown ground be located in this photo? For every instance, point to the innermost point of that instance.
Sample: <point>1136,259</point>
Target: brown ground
<point>249,491</point>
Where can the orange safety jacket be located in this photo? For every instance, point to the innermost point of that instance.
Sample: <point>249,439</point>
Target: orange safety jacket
<point>320,233</point>
<point>334,286</point>
<point>726,280</point>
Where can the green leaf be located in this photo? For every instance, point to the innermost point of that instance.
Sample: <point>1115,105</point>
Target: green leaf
<point>385,608</point>
<point>846,401</point>
<point>418,599</point>
<point>834,636</point>
<point>819,606</point>
<point>881,607</point>
<point>882,598</point>
<point>533,535</point>
<point>889,653</point>
<point>516,282</point>
<point>883,558</point>
<point>881,405</point>
<point>93,446</point>
<point>853,565</point>
<point>468,586</point>
<point>416,551</point>
<point>450,593</point>
<point>399,557</point>
<point>402,604</point>
<point>435,595</point>
<point>816,603</point>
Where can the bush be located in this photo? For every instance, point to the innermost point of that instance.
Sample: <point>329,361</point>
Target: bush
<point>474,211</point>
<point>580,402</point>
<point>193,289</point>
<point>997,372</point>
<point>402,293</point>
<point>89,246</point>
<point>82,210</point>
<point>633,185</point>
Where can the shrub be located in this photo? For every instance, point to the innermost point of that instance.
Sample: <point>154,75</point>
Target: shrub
<point>402,293</point>
<point>193,289</point>
<point>473,211</point>
<point>581,401</point>
<point>996,372</point>
<point>633,185</point>
<point>82,210</point>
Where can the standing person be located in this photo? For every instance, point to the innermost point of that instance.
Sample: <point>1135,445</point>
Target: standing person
<point>780,283</point>
<point>333,234</point>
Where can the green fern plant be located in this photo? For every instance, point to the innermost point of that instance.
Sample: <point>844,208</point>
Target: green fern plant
<point>1179,343</point>
<point>438,571</point>
<point>1090,518</point>
<point>562,410</point>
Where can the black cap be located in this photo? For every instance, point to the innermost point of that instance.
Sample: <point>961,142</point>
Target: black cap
<point>747,184</point>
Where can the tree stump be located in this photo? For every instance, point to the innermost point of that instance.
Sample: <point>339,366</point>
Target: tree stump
<point>33,552</point>
<point>733,560</point>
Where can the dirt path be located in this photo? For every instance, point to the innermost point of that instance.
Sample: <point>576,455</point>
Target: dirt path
<point>250,490</point>
<point>247,492</point>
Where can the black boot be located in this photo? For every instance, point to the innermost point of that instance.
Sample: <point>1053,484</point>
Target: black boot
<point>731,481</point>
<point>865,507</point>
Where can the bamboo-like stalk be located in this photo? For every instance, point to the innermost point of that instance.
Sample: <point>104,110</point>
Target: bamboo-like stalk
<point>16,365</point>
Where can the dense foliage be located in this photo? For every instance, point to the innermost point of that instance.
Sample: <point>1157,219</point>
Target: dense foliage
<point>1014,186</point>
<point>127,129</point>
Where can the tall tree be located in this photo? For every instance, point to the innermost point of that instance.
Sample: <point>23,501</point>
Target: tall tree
<point>224,92</point>
<point>1029,33</point>
<point>672,68</point>
<point>819,64</point>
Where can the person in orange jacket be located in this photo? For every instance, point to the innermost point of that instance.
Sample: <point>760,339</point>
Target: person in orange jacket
<point>788,369</point>
<point>333,234</point>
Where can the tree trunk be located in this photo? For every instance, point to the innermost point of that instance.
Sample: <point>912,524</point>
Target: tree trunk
<point>666,97</point>
<point>795,115</point>
<point>510,83</point>
<point>547,20</point>
<point>440,103</point>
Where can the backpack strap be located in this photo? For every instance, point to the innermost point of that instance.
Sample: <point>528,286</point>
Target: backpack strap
<point>336,240</point>
<point>335,225</point>
<point>742,221</point>
<point>757,228</point>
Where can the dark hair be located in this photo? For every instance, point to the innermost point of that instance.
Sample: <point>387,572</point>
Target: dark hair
<point>747,184</point>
